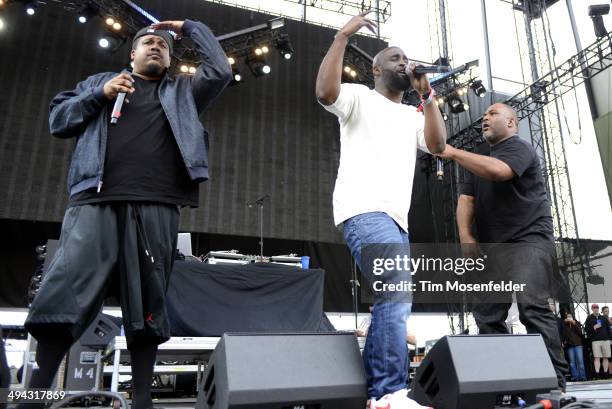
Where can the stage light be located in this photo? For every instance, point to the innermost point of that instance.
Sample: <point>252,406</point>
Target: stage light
<point>110,43</point>
<point>231,60</point>
<point>440,101</point>
<point>237,77</point>
<point>1,24</point>
<point>2,3</point>
<point>347,69</point>
<point>110,21</point>
<point>184,68</point>
<point>596,12</point>
<point>284,47</point>
<point>30,9</point>
<point>265,49</point>
<point>192,70</point>
<point>457,105</point>
<point>276,23</point>
<point>444,116</point>
<point>257,63</point>
<point>478,88</point>
<point>117,26</point>
<point>354,74</point>
<point>82,19</point>
<point>85,14</point>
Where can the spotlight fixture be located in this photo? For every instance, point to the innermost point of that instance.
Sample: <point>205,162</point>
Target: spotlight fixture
<point>259,68</point>
<point>478,88</point>
<point>457,105</point>
<point>117,26</point>
<point>85,14</point>
<point>30,9</point>
<point>347,69</point>
<point>231,60</point>
<point>276,23</point>
<point>236,77</point>
<point>284,47</point>
<point>444,116</point>
<point>110,21</point>
<point>1,24</point>
<point>110,42</point>
<point>596,12</point>
<point>257,62</point>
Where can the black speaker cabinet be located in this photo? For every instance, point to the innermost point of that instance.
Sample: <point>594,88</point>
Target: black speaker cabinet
<point>284,371</point>
<point>482,371</point>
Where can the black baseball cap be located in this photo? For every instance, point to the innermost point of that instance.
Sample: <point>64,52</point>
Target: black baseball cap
<point>160,33</point>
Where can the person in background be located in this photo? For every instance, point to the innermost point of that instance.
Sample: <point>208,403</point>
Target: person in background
<point>572,341</point>
<point>598,334</point>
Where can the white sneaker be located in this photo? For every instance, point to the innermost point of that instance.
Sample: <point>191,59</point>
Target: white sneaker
<point>396,400</point>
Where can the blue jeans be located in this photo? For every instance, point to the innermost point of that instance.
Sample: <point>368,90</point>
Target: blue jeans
<point>576,358</point>
<point>385,354</point>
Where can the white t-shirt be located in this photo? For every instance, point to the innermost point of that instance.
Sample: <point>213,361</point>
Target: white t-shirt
<point>378,148</point>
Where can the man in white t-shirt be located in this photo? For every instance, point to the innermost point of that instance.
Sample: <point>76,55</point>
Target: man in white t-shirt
<point>379,137</point>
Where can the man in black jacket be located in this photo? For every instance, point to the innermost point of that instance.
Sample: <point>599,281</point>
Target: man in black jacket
<point>597,330</point>
<point>126,184</point>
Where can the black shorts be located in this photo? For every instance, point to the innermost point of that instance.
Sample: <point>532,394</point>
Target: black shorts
<point>128,244</point>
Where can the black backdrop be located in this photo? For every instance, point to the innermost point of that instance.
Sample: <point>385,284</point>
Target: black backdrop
<point>268,136</point>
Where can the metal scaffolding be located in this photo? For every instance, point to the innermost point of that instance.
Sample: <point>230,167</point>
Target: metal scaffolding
<point>539,104</point>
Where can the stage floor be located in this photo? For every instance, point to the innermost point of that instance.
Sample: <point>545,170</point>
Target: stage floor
<point>598,391</point>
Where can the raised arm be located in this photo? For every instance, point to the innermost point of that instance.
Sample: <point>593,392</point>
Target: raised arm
<point>330,71</point>
<point>215,72</point>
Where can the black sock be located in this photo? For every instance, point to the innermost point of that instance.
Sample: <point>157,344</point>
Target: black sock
<point>49,355</point>
<point>143,360</point>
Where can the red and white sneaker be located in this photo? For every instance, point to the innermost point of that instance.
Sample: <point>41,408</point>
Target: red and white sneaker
<point>396,400</point>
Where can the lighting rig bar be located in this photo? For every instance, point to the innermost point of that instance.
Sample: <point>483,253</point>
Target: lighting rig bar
<point>350,8</point>
<point>596,58</point>
<point>240,43</point>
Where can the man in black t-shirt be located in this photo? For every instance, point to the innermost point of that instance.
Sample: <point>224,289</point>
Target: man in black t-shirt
<point>126,184</point>
<point>504,196</point>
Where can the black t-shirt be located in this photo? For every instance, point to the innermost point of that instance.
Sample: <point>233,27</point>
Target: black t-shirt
<point>143,162</point>
<point>516,210</point>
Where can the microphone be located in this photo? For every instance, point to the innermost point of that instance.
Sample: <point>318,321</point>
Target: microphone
<point>117,108</point>
<point>259,201</point>
<point>439,169</point>
<point>430,69</point>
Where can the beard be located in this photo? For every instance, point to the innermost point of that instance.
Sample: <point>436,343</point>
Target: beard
<point>153,70</point>
<point>397,81</point>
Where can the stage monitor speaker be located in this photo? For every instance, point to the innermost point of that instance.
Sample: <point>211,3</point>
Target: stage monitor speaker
<point>483,371</point>
<point>284,371</point>
<point>101,331</point>
<point>84,367</point>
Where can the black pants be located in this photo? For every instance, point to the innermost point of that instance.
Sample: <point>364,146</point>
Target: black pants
<point>532,265</point>
<point>122,247</point>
